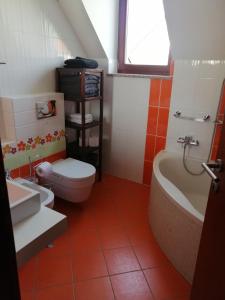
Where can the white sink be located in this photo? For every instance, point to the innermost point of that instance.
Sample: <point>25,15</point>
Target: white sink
<point>46,196</point>
<point>23,201</point>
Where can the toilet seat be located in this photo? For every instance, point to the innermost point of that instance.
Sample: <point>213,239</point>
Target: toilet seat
<point>72,173</point>
<point>73,169</point>
<point>72,179</point>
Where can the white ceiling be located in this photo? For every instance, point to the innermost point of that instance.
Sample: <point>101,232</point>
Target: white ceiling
<point>196,28</point>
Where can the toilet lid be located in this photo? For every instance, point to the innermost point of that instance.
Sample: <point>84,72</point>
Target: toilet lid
<point>73,168</point>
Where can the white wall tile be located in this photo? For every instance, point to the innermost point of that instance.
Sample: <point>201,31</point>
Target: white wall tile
<point>25,132</point>
<point>35,39</point>
<point>22,120</point>
<point>196,91</point>
<point>128,131</point>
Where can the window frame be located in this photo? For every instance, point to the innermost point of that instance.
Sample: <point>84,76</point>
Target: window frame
<point>129,68</point>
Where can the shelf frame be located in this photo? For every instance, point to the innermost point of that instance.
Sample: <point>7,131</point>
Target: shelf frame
<point>80,108</point>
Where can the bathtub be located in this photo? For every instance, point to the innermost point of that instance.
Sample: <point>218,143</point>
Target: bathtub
<point>177,207</point>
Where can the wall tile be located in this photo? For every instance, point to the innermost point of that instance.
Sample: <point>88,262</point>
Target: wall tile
<point>152,120</point>
<point>155,85</point>
<point>160,144</point>
<point>35,39</point>
<point>217,136</point>
<point>196,91</point>
<point>222,104</point>
<point>214,152</point>
<point>162,122</point>
<point>165,94</point>
<point>24,118</point>
<point>150,147</point>
<point>129,120</point>
<point>158,116</point>
<point>147,175</point>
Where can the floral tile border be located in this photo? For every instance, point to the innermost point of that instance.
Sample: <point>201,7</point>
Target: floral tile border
<point>32,142</point>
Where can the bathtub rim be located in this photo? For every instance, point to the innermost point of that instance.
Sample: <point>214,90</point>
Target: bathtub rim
<point>172,191</point>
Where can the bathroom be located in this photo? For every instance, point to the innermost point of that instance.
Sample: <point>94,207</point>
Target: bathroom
<point>137,235</point>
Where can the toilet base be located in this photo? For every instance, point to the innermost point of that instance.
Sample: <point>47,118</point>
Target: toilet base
<point>75,195</point>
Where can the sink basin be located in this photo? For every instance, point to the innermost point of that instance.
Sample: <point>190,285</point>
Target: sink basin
<point>46,196</point>
<point>23,201</point>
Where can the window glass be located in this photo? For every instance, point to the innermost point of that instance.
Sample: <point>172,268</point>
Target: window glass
<point>147,41</point>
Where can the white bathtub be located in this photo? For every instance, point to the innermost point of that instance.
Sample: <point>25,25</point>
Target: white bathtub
<point>177,207</point>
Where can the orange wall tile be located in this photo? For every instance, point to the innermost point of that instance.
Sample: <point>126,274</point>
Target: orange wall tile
<point>157,124</point>
<point>24,171</point>
<point>150,147</point>
<point>222,104</point>
<point>154,92</point>
<point>152,120</point>
<point>162,122</point>
<point>218,130</point>
<point>160,144</point>
<point>147,175</point>
<point>165,94</point>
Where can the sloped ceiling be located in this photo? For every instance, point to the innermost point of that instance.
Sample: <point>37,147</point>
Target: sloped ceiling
<point>196,28</point>
<point>104,17</point>
<point>79,19</point>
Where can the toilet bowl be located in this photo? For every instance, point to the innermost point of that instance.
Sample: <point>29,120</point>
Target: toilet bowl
<point>71,179</point>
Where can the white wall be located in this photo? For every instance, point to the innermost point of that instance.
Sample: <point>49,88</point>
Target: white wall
<point>104,17</point>
<point>196,91</point>
<point>35,39</point>
<point>20,118</point>
<point>79,19</point>
<point>128,133</point>
<point>196,28</point>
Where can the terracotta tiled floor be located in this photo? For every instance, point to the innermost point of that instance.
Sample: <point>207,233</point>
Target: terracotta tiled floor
<point>108,252</point>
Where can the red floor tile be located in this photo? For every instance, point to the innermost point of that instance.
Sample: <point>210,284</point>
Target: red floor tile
<point>121,260</point>
<point>96,243</point>
<point>87,240</point>
<point>54,271</point>
<point>140,234</point>
<point>88,265</point>
<point>59,247</point>
<point>132,286</point>
<point>64,292</point>
<point>167,283</point>
<point>107,218</point>
<point>113,237</point>
<point>81,220</point>
<point>134,219</point>
<point>27,275</point>
<point>150,255</point>
<point>95,289</point>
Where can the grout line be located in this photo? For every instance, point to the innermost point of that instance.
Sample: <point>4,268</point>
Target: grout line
<point>107,268</point>
<point>149,286</point>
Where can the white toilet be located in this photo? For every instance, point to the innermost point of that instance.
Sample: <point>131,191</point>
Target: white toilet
<point>71,179</point>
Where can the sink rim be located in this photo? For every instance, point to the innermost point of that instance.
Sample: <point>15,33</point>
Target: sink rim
<point>32,193</point>
<point>49,200</point>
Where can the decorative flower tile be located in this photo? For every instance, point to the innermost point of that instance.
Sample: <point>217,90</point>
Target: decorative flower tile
<point>32,142</point>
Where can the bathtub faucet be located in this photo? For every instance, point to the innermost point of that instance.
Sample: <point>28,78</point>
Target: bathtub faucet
<point>188,140</point>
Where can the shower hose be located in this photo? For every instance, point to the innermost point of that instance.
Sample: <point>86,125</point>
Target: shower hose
<point>185,163</point>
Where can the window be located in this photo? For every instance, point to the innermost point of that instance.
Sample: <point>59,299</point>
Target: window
<point>144,46</point>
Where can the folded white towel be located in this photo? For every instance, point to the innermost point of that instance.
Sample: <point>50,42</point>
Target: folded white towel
<point>79,121</point>
<point>79,116</point>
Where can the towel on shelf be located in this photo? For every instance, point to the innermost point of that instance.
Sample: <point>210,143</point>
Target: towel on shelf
<point>90,77</point>
<point>77,118</point>
<point>81,62</point>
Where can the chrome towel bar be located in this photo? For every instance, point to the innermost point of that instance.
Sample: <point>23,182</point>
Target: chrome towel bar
<point>205,118</point>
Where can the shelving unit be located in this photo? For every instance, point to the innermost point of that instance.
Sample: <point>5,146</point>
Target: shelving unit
<point>71,82</point>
